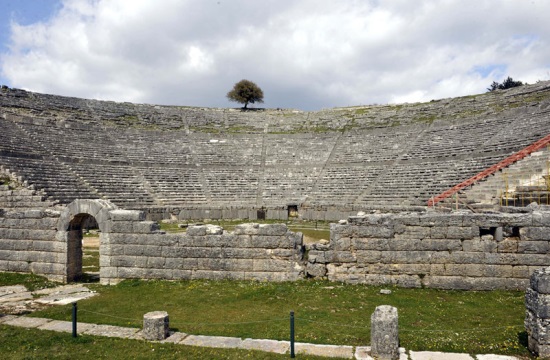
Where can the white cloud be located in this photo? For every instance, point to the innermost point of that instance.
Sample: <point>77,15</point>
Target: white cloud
<point>308,54</point>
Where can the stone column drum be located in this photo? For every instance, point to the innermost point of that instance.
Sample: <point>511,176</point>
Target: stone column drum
<point>384,338</point>
<point>537,314</point>
<point>155,325</point>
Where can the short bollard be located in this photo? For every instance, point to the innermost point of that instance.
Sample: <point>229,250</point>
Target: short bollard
<point>384,339</point>
<point>155,325</point>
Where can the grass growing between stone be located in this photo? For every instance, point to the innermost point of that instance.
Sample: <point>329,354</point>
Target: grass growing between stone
<point>90,259</point>
<point>30,281</point>
<point>19,343</point>
<point>326,313</point>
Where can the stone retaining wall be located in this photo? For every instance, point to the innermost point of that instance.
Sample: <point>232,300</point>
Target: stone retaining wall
<point>29,243</point>
<point>136,249</point>
<point>450,251</point>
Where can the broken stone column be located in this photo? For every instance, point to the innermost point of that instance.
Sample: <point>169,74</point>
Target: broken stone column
<point>384,339</point>
<point>537,314</point>
<point>155,325</point>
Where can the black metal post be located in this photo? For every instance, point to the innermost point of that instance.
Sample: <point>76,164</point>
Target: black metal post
<point>292,355</point>
<point>74,319</point>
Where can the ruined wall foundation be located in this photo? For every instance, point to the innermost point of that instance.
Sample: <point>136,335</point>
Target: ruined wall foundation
<point>451,251</point>
<point>461,250</point>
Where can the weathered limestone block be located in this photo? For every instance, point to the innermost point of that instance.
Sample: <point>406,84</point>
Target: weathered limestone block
<point>538,304</point>
<point>441,220</point>
<point>540,218</point>
<point>270,242</point>
<point>124,227</point>
<point>127,215</point>
<point>371,244</point>
<point>384,333</point>
<point>145,227</point>
<point>156,325</point>
<point>440,245</point>
<point>368,256</point>
<point>537,319</point>
<point>269,265</point>
<point>247,229</point>
<point>508,245</point>
<point>535,233</point>
<point>461,232</point>
<point>34,214</point>
<point>479,245</point>
<point>533,247</point>
<point>316,270</point>
<point>540,281</point>
<point>272,229</point>
<point>374,231</point>
<point>208,240</point>
<point>246,253</point>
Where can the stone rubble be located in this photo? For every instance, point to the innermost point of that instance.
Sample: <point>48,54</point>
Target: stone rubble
<point>18,300</point>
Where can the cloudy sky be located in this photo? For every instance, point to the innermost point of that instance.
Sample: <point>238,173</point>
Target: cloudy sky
<point>304,54</point>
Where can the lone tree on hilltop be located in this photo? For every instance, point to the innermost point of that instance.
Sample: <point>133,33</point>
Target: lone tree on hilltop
<point>506,84</point>
<point>245,92</point>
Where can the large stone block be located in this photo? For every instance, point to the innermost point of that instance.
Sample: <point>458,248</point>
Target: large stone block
<point>535,233</point>
<point>374,231</point>
<point>272,229</point>
<point>537,328</point>
<point>538,304</point>
<point>247,229</point>
<point>156,262</point>
<point>124,227</point>
<point>208,241</point>
<point>540,280</point>
<point>316,270</point>
<point>53,246</point>
<point>368,257</point>
<point>371,244</point>
<point>540,218</point>
<point>127,215</point>
<point>460,232</point>
<point>384,333</point>
<point>439,245</point>
<point>156,325</point>
<point>533,247</point>
<point>479,245</point>
<point>269,265</point>
<point>145,227</point>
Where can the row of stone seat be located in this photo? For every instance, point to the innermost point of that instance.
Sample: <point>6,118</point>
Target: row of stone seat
<point>394,165</point>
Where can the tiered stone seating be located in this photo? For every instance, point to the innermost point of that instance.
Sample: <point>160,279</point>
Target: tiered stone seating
<point>228,150</point>
<point>51,176</point>
<point>175,186</point>
<point>341,185</point>
<point>363,146</point>
<point>456,140</point>
<point>238,186</point>
<point>288,186</point>
<point>117,183</point>
<point>141,155</point>
<point>299,149</point>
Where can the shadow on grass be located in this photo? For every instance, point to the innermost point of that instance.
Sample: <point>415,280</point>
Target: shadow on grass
<point>88,278</point>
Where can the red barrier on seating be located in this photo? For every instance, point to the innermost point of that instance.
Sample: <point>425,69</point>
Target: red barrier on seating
<point>491,170</point>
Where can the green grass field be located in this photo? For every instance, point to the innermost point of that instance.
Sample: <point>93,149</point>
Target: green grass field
<point>18,343</point>
<point>326,313</point>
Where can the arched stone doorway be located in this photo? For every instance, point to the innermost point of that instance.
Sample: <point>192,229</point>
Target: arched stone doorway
<point>70,228</point>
